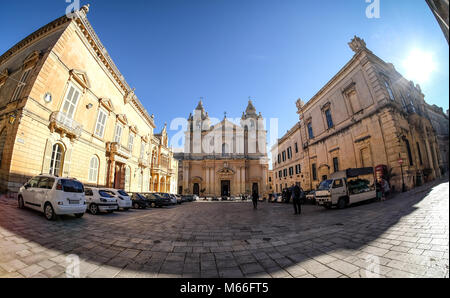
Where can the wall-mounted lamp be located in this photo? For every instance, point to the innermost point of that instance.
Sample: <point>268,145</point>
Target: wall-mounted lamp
<point>12,118</point>
<point>89,106</point>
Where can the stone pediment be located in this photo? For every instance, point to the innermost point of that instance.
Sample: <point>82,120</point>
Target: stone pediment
<point>107,104</point>
<point>122,118</point>
<point>81,78</point>
<point>226,171</point>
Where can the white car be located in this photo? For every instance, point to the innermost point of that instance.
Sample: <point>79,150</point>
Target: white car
<point>123,199</point>
<point>99,200</point>
<point>53,196</point>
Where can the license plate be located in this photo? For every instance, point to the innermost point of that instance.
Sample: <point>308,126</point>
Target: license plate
<point>73,202</point>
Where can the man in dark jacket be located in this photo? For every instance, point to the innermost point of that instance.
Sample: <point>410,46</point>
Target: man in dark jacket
<point>297,194</point>
<point>255,198</point>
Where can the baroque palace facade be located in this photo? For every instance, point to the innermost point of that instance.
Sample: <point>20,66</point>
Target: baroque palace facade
<point>367,115</point>
<point>65,109</point>
<point>225,159</point>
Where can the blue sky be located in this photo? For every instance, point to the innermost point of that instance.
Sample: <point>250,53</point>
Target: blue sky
<point>176,51</point>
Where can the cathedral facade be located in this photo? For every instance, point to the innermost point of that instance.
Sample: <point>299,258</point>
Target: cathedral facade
<point>225,159</point>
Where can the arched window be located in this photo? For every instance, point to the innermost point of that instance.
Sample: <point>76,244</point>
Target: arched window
<point>93,169</point>
<point>56,161</point>
<point>2,144</point>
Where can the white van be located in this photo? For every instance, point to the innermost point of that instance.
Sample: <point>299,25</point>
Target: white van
<point>99,200</point>
<point>345,188</point>
<point>53,196</point>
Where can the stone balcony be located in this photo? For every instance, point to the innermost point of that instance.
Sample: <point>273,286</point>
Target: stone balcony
<point>143,162</point>
<point>65,125</point>
<point>118,149</point>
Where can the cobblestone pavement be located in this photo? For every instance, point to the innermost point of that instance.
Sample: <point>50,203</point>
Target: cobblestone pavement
<point>406,236</point>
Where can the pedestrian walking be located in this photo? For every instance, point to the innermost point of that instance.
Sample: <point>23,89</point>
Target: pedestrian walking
<point>255,198</point>
<point>296,196</point>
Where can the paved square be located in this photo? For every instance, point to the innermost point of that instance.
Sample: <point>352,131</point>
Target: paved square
<point>406,236</point>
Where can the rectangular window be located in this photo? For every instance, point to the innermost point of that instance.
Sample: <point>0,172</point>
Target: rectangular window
<point>279,158</point>
<point>20,85</point>
<point>298,169</point>
<point>420,154</point>
<point>336,164</point>
<point>70,102</point>
<point>329,118</point>
<point>408,149</point>
<point>101,123</point>
<point>285,172</point>
<point>280,174</point>
<point>296,148</point>
<point>314,172</point>
<point>289,153</point>
<point>130,142</point>
<point>118,133</point>
<point>284,155</point>
<point>389,89</point>
<point>291,171</point>
<point>310,131</point>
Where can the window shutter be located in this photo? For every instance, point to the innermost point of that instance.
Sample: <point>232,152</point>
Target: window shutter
<point>67,161</point>
<point>47,157</point>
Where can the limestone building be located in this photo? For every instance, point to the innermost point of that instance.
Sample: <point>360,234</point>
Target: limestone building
<point>225,159</point>
<point>287,157</point>
<point>367,115</point>
<point>65,109</point>
<point>439,121</point>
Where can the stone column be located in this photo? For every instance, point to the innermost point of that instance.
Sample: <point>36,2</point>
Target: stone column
<point>186,179</point>
<point>238,177</point>
<point>264,181</point>
<point>437,170</point>
<point>207,180</point>
<point>243,177</point>
<point>430,157</point>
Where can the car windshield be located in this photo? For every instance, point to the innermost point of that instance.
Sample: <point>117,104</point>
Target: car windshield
<point>325,185</point>
<point>139,196</point>
<point>123,193</point>
<point>72,186</point>
<point>105,194</point>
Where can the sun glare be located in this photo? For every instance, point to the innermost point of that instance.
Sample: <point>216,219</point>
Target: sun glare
<point>419,65</point>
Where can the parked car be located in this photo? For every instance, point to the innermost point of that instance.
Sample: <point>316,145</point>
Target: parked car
<point>156,200</point>
<point>53,196</point>
<point>173,200</point>
<point>100,200</point>
<point>179,199</point>
<point>191,198</point>
<point>123,199</point>
<point>184,199</point>
<point>139,201</point>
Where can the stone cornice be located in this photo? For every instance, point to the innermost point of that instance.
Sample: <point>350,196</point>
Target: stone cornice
<point>24,43</point>
<point>80,19</point>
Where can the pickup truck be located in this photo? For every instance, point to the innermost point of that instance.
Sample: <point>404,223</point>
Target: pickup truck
<point>345,188</point>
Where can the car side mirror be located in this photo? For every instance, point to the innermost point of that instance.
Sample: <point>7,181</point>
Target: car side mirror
<point>27,185</point>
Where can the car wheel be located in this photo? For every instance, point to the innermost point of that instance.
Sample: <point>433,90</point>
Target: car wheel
<point>342,203</point>
<point>93,208</point>
<point>49,212</point>
<point>79,215</point>
<point>21,203</point>
<point>136,206</point>
<point>153,205</point>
